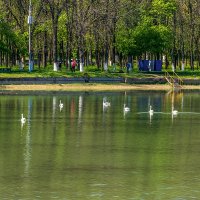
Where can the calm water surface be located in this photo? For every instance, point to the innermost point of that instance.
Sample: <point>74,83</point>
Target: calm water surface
<point>87,151</point>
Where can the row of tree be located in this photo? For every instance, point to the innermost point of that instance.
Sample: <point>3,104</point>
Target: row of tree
<point>101,32</point>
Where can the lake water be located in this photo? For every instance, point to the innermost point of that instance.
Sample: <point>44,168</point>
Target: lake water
<point>87,151</point>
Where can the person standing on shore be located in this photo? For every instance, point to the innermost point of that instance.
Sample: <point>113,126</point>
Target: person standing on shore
<point>73,64</point>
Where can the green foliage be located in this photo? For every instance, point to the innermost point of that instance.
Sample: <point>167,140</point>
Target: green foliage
<point>151,34</point>
<point>162,9</point>
<point>8,37</point>
<point>126,43</point>
<point>153,39</point>
<point>62,27</point>
<point>5,34</point>
<point>144,38</point>
<point>21,42</point>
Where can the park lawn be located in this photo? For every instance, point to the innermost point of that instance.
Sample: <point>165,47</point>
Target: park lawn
<point>92,71</point>
<point>15,73</point>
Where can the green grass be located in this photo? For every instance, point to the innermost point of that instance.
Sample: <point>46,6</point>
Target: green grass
<point>92,71</point>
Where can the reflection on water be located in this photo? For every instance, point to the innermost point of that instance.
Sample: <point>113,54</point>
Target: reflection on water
<point>85,152</point>
<point>80,109</point>
<point>27,149</point>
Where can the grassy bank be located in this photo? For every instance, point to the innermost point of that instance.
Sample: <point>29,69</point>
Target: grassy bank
<point>92,71</point>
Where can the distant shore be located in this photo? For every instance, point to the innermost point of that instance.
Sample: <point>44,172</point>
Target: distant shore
<point>94,87</point>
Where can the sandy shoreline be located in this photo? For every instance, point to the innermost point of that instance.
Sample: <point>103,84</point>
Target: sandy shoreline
<point>92,87</point>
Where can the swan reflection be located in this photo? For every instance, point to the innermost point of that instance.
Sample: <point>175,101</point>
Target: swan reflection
<point>106,104</point>
<point>61,105</point>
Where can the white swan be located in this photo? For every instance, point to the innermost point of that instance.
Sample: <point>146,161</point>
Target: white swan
<point>23,119</point>
<point>150,110</point>
<point>61,105</point>
<point>106,103</point>
<point>174,112</point>
<point>126,109</point>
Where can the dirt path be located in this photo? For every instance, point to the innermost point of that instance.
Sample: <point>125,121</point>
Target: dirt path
<point>91,87</point>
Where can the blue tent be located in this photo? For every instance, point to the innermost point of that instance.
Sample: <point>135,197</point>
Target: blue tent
<point>150,65</point>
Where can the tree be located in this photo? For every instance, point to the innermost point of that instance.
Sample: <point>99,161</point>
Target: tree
<point>54,8</point>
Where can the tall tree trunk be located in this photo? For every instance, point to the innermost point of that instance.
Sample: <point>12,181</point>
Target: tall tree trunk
<point>55,9</point>
<point>183,55</point>
<point>45,51</point>
<point>69,24</point>
<point>106,45</point>
<point>191,36</point>
<point>39,56</point>
<point>106,55</point>
<point>1,58</point>
<point>114,21</point>
<point>55,44</point>
<point>173,54</point>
